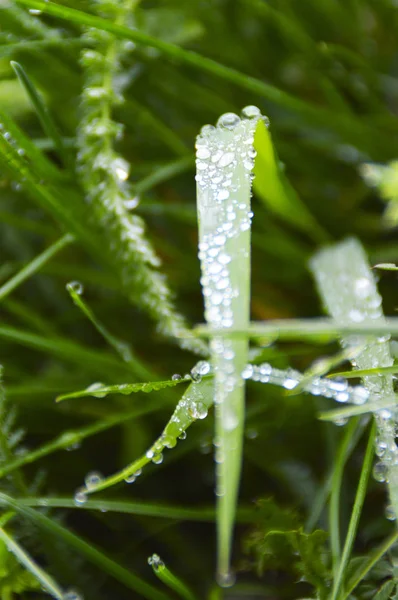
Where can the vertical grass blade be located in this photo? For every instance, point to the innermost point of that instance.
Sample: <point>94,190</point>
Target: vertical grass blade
<point>225,161</point>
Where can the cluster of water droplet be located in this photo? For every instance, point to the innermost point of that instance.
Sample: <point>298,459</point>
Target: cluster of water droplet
<point>350,293</point>
<point>224,163</point>
<point>336,388</point>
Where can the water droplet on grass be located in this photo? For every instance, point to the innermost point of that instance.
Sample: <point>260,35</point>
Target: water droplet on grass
<point>156,562</point>
<point>228,121</point>
<point>80,496</point>
<point>92,479</point>
<point>96,386</point>
<point>380,472</point>
<point>76,287</point>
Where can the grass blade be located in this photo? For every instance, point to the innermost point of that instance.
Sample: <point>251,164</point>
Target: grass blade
<point>169,579</point>
<point>224,165</point>
<point>47,582</point>
<point>34,266</point>
<point>356,513</point>
<point>43,113</point>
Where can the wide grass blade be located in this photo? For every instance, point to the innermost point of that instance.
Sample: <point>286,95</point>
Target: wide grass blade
<point>224,169</point>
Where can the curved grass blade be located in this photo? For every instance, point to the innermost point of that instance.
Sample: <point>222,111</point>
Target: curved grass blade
<point>193,405</point>
<point>46,581</point>
<point>42,111</point>
<point>75,290</point>
<point>224,169</point>
<point>35,265</point>
<point>103,562</point>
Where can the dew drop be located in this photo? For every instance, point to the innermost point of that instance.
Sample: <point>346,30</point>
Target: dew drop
<point>35,11</point>
<point>156,562</point>
<point>226,580</point>
<point>183,435</point>
<point>202,152</point>
<point>380,471</point>
<point>356,315</point>
<point>130,478</point>
<point>76,287</point>
<point>251,112</point>
<point>247,372</point>
<point>121,167</point>
<point>169,441</point>
<point>390,513</point>
<point>80,496</point>
<point>198,410</point>
<point>176,377</point>
<point>223,195</point>
<point>226,159</point>
<point>92,479</point>
<point>203,367</point>
<point>157,459</point>
<point>228,121</point>
<point>96,386</point>
<point>149,454</point>
<point>206,129</point>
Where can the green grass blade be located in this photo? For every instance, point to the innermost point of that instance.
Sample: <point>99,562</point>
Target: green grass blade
<point>98,558</point>
<point>224,166</point>
<point>355,514</point>
<point>34,266</point>
<point>100,391</point>
<point>46,581</point>
<point>169,579</point>
<point>319,330</point>
<point>42,111</point>
<point>94,361</point>
<point>336,482</point>
<point>145,509</point>
<point>122,348</point>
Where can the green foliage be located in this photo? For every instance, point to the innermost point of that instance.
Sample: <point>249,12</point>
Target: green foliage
<point>280,543</point>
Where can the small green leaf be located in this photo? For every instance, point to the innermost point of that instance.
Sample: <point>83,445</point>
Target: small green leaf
<point>386,267</point>
<point>386,590</point>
